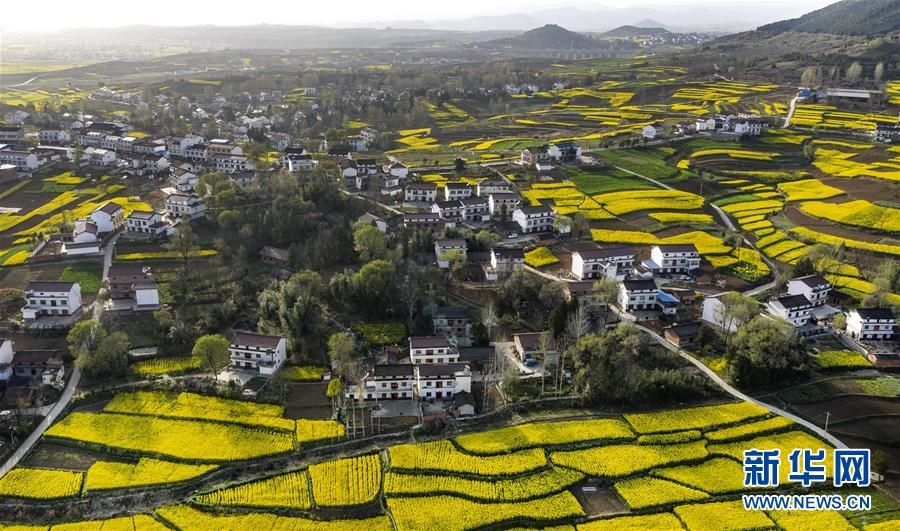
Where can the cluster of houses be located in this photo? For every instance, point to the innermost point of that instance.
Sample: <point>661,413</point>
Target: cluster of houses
<point>719,126</point>
<point>24,371</point>
<point>543,158</point>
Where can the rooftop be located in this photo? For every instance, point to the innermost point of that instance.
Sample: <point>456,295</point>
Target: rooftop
<point>253,339</point>
<point>429,342</point>
<point>45,285</point>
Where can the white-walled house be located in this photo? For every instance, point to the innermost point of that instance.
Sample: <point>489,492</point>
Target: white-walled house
<point>653,131</point>
<point>506,260</point>
<point>148,223</point>
<point>44,298</point>
<point>534,218</point>
<point>420,191</point>
<point>184,206</point>
<point>109,217</point>
<point>872,324</point>
<point>22,160</point>
<point>54,136</point>
<point>492,186</point>
<point>445,249</point>
<point>261,353</point>
<point>456,190</point>
<point>146,295</point>
<point>432,349</point>
<point>638,295</point>
<point>795,309</point>
<point>372,219</point>
<point>453,323</point>
<point>442,380</point>
<point>503,203</point>
<point>6,358</point>
<point>610,263</point>
<point>409,382</point>
<point>397,169</point>
<point>814,287</point>
<point>675,258</point>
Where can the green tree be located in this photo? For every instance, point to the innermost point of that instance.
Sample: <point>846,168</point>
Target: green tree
<point>607,292</point>
<point>84,337</point>
<point>486,239</point>
<point>459,165</point>
<point>109,359</point>
<point>734,310</point>
<point>375,286</point>
<point>341,347</point>
<point>11,300</point>
<point>369,243</point>
<point>764,351</point>
<point>803,267</point>
<point>213,352</point>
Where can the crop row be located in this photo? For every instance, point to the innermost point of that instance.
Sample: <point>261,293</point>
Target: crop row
<point>442,456</point>
<point>290,490</point>
<point>489,490</point>
<point>346,482</point>
<point>105,475</point>
<point>536,434</point>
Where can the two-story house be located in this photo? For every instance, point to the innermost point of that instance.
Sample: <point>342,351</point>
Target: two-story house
<point>814,287</point>
<point>503,204</point>
<point>638,295</point>
<point>449,250</point>
<point>475,209</point>
<point>184,206</point>
<point>450,211</point>
<point>492,186</point>
<point>871,324</point>
<point>612,263</point>
<point>22,160</point>
<point>420,191</point>
<point>506,260</point>
<point>795,309</point>
<point>675,258</point>
<point>257,353</point>
<point>432,349</point>
<point>109,218</point>
<point>45,298</point>
<point>145,223</point>
<point>534,218</point>
<point>442,380</point>
<point>457,190</point>
<point>584,293</point>
<point>532,345</point>
<point>453,323</point>
<point>566,151</point>
<point>424,221</point>
<point>386,382</point>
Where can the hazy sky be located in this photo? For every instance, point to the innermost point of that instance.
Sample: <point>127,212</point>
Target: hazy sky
<point>56,14</point>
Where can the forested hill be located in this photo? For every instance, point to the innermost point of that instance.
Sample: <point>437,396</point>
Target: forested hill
<point>847,17</point>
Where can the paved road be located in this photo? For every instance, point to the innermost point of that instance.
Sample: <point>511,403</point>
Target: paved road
<point>790,114</point>
<point>56,409</point>
<point>834,441</point>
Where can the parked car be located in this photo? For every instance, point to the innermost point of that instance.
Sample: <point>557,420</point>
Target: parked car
<point>512,235</point>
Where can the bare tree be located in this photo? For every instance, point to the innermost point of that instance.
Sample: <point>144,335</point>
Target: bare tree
<point>854,72</point>
<point>879,73</point>
<point>488,318</point>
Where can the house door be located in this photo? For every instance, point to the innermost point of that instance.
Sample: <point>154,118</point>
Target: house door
<point>394,396</point>
<point>248,365</point>
<point>438,394</point>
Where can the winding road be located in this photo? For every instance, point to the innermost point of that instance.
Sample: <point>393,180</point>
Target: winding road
<point>69,392</point>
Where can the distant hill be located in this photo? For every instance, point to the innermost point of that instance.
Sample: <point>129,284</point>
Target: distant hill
<point>550,36</point>
<point>650,23</point>
<point>637,31</point>
<point>847,17</point>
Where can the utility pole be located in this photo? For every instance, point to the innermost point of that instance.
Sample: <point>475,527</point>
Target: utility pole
<point>827,417</point>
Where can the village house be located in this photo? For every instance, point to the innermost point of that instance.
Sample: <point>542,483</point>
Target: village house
<point>503,204</point>
<point>534,218</point>
<point>424,221</point>
<point>529,345</point>
<point>612,263</point>
<point>397,169</point>
<point>675,258</point>
<point>453,323</point>
<point>181,206</point>
<point>871,324</point>
<point>637,295</point>
<point>886,133</point>
<point>257,353</point>
<point>748,127</point>
<point>48,299</point>
<point>231,163</point>
<point>505,260</point>
<point>795,309</point>
<point>348,168</point>
<point>275,256</point>
<point>457,190</point>
<point>46,365</point>
<point>146,223</point>
<point>534,156</point>
<point>432,349</point>
<point>297,159</point>
<point>6,357</point>
<point>492,186</point>
<point>22,160</point>
<point>450,211</point>
<point>184,178</point>
<point>54,137</point>
<point>154,164</point>
<point>475,209</point>
<point>584,293</point>
<point>11,135</point>
<point>814,287</point>
<point>372,219</point>
<point>449,250</point>
<point>442,380</point>
<point>133,287</point>
<point>356,143</point>
<point>653,131</point>
<point>420,191</point>
<point>567,152</point>
<point>109,218</point>
<point>682,335</point>
<point>100,156</point>
<point>178,146</point>
<point>367,166</point>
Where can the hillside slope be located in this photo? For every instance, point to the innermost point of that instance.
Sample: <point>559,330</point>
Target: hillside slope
<point>847,17</point>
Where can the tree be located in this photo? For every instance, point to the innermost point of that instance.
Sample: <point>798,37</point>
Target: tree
<point>369,243</point>
<point>809,151</point>
<point>459,165</point>
<point>840,321</point>
<point>804,267</point>
<point>487,239</point>
<point>607,292</point>
<point>733,311</point>
<point>886,280</point>
<point>811,76</point>
<point>213,352</point>
<point>375,286</point>
<point>563,224</point>
<point>341,348</point>
<point>854,72</point>
<point>85,337</point>
<point>764,351</point>
<point>879,73</point>
<point>11,300</point>
<point>108,359</point>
